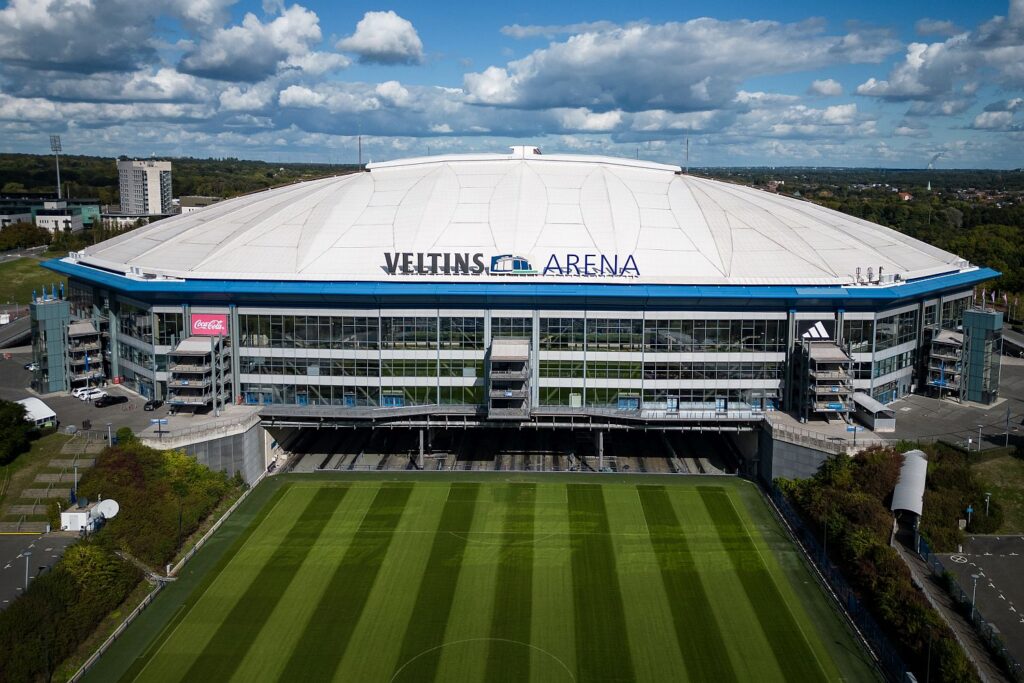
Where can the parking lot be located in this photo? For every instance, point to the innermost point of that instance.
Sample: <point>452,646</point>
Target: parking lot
<point>14,379</point>
<point>998,562</point>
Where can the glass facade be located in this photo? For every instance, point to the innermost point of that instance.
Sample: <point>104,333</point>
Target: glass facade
<point>953,313</point>
<point>768,336</point>
<point>859,335</point>
<point>894,330</point>
<point>607,361</point>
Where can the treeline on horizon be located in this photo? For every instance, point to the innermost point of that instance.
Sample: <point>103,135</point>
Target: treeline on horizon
<point>976,214</point>
<point>96,177</point>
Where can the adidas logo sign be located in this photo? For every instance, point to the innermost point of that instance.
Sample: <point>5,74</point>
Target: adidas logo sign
<point>817,331</point>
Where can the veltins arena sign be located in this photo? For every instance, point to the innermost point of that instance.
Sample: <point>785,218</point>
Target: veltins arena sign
<point>464,263</point>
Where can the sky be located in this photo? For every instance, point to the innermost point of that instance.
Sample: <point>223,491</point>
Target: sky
<point>790,83</point>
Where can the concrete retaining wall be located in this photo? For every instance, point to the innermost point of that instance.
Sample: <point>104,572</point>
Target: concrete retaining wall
<point>786,460</point>
<point>244,452</point>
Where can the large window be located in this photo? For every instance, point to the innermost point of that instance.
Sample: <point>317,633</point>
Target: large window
<point>462,333</point>
<point>713,371</point>
<point>953,313</point>
<point>408,333</point>
<point>561,334</point>
<point>893,363</point>
<point>308,332</point>
<point>561,368</point>
<point>613,370</point>
<point>170,328</point>
<point>311,367</point>
<point>134,321</point>
<point>81,300</point>
<point>767,336</point>
<point>612,334</point>
<point>408,367</point>
<point>514,328</point>
<point>894,330</point>
<point>858,334</point>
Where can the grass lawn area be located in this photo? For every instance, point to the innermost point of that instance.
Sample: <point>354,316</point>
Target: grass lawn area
<point>1004,477</point>
<point>18,475</point>
<point>514,578</point>
<point>19,277</point>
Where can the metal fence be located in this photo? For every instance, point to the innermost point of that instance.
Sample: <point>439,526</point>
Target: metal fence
<point>989,634</point>
<point>889,659</point>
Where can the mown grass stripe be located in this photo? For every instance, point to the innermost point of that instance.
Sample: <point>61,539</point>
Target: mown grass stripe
<point>225,650</point>
<point>602,647</point>
<point>793,653</point>
<point>697,631</point>
<point>510,620</point>
<point>327,633</point>
<point>424,634</point>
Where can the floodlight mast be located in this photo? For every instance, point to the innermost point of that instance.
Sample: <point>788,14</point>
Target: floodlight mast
<point>56,149</point>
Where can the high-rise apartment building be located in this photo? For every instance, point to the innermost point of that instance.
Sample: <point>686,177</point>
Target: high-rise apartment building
<point>145,186</point>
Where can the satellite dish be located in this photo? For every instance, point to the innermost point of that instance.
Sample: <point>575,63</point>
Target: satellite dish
<point>108,508</point>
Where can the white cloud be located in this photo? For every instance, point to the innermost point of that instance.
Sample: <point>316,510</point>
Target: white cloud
<point>686,66</point>
<point>394,92</point>
<point>931,71</point>
<point>936,27</point>
<point>552,30</point>
<point>582,119</point>
<point>254,98</point>
<point>254,50</point>
<point>317,63</point>
<point>828,87</point>
<point>300,96</point>
<point>993,120</point>
<point>384,38</point>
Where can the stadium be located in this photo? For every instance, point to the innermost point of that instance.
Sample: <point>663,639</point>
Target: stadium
<point>515,287</point>
<point>516,311</point>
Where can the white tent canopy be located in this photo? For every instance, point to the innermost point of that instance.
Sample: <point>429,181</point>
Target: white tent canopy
<point>37,412</point>
<point>909,492</point>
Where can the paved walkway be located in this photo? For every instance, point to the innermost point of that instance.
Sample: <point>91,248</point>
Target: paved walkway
<point>943,603</point>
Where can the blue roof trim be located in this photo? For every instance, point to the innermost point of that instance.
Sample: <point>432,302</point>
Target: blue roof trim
<point>241,289</point>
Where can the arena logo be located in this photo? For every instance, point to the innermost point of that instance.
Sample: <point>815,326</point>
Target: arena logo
<point>568,264</point>
<point>209,325</point>
<point>593,265</point>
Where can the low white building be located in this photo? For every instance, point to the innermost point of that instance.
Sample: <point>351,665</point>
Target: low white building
<point>37,412</point>
<point>59,217</point>
<point>77,518</point>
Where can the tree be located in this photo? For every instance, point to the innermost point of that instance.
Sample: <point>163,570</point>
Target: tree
<point>14,431</point>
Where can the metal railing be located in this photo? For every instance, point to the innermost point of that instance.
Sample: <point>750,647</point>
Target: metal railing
<point>885,653</point>
<point>988,633</point>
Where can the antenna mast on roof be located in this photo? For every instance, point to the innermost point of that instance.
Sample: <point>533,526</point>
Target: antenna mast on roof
<point>686,168</point>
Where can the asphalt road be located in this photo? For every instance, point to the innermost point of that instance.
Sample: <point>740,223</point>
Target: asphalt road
<point>45,550</point>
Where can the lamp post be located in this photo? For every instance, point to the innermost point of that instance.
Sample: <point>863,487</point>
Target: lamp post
<point>110,440</point>
<point>979,437</point>
<point>988,497</point>
<point>28,554</point>
<point>974,593</point>
<point>56,149</point>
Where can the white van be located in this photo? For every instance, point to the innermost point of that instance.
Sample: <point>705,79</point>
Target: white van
<point>92,394</point>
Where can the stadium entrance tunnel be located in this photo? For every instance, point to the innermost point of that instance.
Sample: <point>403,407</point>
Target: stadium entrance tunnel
<point>522,450</point>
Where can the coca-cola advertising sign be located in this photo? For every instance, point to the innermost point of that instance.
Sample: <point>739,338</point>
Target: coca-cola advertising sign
<point>210,324</point>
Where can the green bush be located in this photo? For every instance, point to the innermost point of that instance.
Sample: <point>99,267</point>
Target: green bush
<point>15,431</point>
<point>163,495</point>
<point>61,608</point>
<point>849,497</point>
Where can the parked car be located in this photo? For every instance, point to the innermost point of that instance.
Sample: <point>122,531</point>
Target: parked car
<point>92,394</point>
<point>32,367</point>
<point>152,404</point>
<point>106,400</point>
<point>78,391</point>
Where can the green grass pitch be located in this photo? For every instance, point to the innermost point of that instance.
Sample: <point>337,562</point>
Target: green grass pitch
<point>494,578</point>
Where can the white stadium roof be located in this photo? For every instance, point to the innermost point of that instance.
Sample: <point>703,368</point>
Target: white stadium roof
<point>678,229</point>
